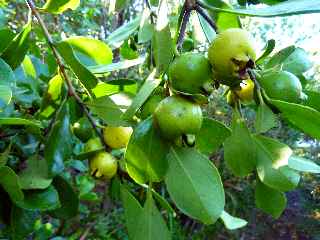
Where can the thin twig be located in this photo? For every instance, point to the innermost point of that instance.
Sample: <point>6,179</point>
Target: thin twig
<point>206,17</point>
<point>152,14</point>
<point>86,232</point>
<point>63,72</point>
<point>183,28</point>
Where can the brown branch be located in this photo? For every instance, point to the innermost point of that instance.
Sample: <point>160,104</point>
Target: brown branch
<point>183,28</point>
<point>206,17</point>
<point>63,72</point>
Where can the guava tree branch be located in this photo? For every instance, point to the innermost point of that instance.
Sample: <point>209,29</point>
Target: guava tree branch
<point>63,72</point>
<point>206,17</point>
<point>183,28</point>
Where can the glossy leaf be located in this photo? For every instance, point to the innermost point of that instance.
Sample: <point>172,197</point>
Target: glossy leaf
<point>287,8</point>
<point>292,59</point>
<point>16,51</point>
<point>231,222</point>
<point>270,200</point>
<point>272,161</point>
<point>150,224</point>
<point>132,210</point>
<point>161,200</point>
<point>42,200</point>
<point>106,68</point>
<point>239,148</point>
<point>96,50</point>
<point>211,136</point>
<point>223,20</point>
<point>58,145</point>
<point>22,222</point>
<point>68,198</point>
<point>19,121</point>
<point>87,78</point>
<point>146,29</point>
<point>313,100</point>
<point>116,38</point>
<point>146,154</point>
<point>107,110</point>
<point>194,184</point>
<point>10,183</point>
<point>145,91</point>
<point>207,29</point>
<point>303,165</point>
<point>6,36</point>
<point>303,117</point>
<point>162,43</point>
<point>265,119</point>
<point>35,176</point>
<point>7,80</point>
<point>267,51</point>
<point>59,6</point>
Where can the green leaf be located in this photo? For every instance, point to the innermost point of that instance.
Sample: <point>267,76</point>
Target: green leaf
<point>161,200</point>
<point>267,51</point>
<point>42,200</point>
<point>132,210</point>
<point>107,110</point>
<point>106,68</point>
<point>146,30</point>
<point>239,148</point>
<point>207,29</point>
<point>6,36</point>
<point>5,94</point>
<point>16,51</point>
<point>68,198</point>
<point>58,146</point>
<point>146,154</point>
<point>265,119</point>
<point>272,164</point>
<point>150,224</point>
<point>10,183</point>
<point>147,88</point>
<point>292,59</point>
<point>270,200</point>
<point>59,6</point>
<point>303,165</point>
<point>122,33</point>
<point>7,79</point>
<point>162,43</point>
<point>6,74</point>
<point>4,156</point>
<point>303,117</point>
<point>95,49</point>
<point>19,121</point>
<point>194,184</point>
<point>35,176</point>
<point>87,78</point>
<point>223,20</point>
<point>313,100</point>
<point>287,8</point>
<point>22,222</point>
<point>211,136</point>
<point>231,222</point>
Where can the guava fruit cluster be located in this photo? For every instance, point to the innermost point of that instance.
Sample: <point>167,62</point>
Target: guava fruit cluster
<point>102,163</point>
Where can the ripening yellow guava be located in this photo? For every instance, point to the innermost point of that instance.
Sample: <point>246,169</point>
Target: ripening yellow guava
<point>104,165</point>
<point>246,92</point>
<point>117,137</point>
<point>176,116</point>
<point>230,54</point>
